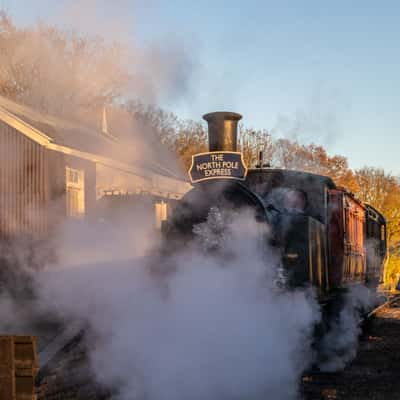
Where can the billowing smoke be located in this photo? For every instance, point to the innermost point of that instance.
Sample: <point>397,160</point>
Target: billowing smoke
<point>215,326</point>
<point>93,56</point>
<point>213,322</point>
<point>339,346</point>
<point>318,121</point>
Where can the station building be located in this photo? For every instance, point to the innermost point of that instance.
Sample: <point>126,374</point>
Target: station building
<point>52,168</point>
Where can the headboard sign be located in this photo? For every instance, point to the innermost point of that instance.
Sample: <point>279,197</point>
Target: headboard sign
<point>217,165</point>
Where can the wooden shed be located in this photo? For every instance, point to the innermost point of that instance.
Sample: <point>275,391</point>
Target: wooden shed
<point>52,168</point>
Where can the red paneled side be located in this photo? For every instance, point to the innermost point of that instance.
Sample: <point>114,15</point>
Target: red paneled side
<point>335,237</point>
<point>354,234</point>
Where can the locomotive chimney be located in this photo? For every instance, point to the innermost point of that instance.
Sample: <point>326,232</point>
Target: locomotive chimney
<point>222,130</point>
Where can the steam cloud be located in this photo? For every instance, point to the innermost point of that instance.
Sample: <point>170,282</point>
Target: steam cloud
<point>160,70</point>
<point>216,327</point>
<point>319,120</point>
<point>339,346</point>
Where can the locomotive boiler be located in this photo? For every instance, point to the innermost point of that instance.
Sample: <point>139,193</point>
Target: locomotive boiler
<point>324,235</point>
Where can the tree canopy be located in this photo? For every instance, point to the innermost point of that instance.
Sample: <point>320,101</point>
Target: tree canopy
<point>58,71</point>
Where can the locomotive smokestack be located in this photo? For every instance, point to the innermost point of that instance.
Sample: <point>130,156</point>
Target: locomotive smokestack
<point>222,130</point>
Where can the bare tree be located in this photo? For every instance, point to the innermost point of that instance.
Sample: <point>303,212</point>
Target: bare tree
<point>311,158</point>
<point>382,190</point>
<point>252,142</point>
<point>56,71</point>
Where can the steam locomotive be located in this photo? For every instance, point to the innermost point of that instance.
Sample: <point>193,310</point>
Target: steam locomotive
<point>324,235</point>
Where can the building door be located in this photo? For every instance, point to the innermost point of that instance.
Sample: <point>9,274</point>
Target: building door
<point>75,192</point>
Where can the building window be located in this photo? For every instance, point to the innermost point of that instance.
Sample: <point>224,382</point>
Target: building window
<point>75,192</point>
<point>161,213</point>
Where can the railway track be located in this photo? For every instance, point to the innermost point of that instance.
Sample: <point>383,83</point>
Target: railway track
<point>392,301</point>
<point>374,372</point>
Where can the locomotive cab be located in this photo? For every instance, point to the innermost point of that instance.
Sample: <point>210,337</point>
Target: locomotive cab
<point>298,203</point>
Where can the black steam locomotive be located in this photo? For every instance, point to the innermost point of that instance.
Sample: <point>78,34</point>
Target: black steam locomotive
<point>326,237</point>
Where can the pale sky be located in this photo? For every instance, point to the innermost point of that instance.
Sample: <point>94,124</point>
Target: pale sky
<point>326,72</point>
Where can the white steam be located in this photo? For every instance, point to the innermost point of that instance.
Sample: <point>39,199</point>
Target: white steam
<point>319,120</point>
<point>216,327</point>
<point>339,346</point>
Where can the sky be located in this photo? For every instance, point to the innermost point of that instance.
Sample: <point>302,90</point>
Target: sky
<point>322,72</point>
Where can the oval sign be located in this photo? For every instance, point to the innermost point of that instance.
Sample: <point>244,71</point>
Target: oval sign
<point>217,165</point>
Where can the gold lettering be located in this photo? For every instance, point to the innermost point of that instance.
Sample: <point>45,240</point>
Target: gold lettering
<point>217,157</point>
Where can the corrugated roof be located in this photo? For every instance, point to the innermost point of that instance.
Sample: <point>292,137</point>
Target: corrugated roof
<point>83,138</point>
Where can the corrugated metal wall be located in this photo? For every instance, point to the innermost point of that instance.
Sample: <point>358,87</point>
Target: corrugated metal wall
<point>23,185</point>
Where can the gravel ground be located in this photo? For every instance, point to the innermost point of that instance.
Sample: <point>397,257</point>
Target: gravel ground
<point>374,374</point>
